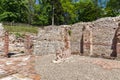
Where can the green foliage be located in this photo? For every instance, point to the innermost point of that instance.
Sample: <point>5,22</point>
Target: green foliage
<point>58,12</point>
<point>42,15</point>
<point>88,11</point>
<point>19,35</point>
<point>44,12</point>
<point>63,11</point>
<point>70,32</point>
<point>13,10</point>
<point>113,8</point>
<point>69,11</point>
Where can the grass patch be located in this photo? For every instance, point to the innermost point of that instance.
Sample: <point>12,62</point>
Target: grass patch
<point>29,29</point>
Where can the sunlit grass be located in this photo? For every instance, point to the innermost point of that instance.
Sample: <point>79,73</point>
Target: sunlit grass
<point>29,29</point>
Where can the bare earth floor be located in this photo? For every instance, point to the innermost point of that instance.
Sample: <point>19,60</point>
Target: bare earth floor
<point>78,68</point>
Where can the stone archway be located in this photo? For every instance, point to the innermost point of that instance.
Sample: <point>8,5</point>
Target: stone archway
<point>116,43</point>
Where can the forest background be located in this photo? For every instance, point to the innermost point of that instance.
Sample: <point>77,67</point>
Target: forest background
<point>56,12</point>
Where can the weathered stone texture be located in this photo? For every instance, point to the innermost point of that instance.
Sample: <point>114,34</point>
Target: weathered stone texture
<point>6,43</point>
<point>49,40</point>
<point>116,43</point>
<point>1,37</point>
<point>76,37</point>
<point>45,47</point>
<point>103,31</point>
<point>86,41</point>
<point>1,30</point>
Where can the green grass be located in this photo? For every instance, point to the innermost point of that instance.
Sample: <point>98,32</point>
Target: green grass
<point>23,29</point>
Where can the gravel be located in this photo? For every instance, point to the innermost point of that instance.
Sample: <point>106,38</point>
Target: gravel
<point>76,68</point>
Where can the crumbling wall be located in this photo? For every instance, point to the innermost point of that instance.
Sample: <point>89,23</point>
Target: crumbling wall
<point>1,37</point>
<point>103,31</point>
<point>1,30</point>
<point>49,40</point>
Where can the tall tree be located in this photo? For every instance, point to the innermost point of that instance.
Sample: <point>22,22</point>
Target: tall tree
<point>30,7</point>
<point>46,10</point>
<point>69,11</point>
<point>13,10</point>
<point>88,11</point>
<point>42,12</point>
<point>113,8</point>
<point>57,12</point>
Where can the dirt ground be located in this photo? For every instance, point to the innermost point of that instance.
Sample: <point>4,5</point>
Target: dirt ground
<point>78,68</point>
<point>75,68</point>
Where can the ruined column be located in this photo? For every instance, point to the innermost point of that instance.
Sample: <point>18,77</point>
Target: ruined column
<point>67,48</point>
<point>64,53</point>
<point>28,44</point>
<point>116,43</point>
<point>6,43</point>
<point>87,41</point>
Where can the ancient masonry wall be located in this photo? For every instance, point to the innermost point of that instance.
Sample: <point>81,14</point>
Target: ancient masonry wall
<point>9,43</point>
<point>49,40</point>
<point>103,31</point>
<point>1,38</point>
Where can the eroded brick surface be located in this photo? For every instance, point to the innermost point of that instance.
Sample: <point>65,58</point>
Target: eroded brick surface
<point>20,68</point>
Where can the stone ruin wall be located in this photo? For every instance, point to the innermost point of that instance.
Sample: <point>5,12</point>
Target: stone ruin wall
<point>103,33</point>
<point>49,40</point>
<point>16,45</point>
<point>1,37</point>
